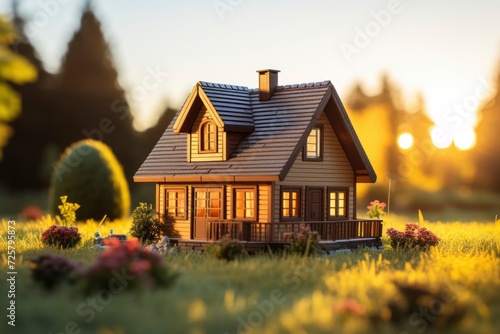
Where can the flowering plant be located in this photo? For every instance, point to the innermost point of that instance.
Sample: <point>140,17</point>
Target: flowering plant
<point>136,266</point>
<point>413,236</point>
<point>376,209</point>
<point>68,211</point>
<point>51,270</point>
<point>349,306</point>
<point>32,212</point>
<point>304,242</point>
<point>61,236</point>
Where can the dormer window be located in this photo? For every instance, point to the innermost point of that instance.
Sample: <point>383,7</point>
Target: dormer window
<point>313,150</point>
<point>208,137</point>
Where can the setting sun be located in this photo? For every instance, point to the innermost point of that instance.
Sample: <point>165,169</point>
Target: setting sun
<point>465,139</point>
<point>405,140</point>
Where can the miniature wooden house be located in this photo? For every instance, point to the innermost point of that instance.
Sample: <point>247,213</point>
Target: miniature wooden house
<point>255,163</point>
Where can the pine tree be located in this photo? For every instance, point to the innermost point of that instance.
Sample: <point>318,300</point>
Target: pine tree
<point>89,59</point>
<point>88,95</point>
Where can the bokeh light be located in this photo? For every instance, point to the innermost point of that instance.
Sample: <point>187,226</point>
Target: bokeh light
<point>405,140</point>
<point>465,139</point>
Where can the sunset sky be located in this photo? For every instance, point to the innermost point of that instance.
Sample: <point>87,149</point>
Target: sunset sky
<point>447,50</point>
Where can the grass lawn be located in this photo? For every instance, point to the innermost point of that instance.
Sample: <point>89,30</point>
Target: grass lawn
<point>453,288</point>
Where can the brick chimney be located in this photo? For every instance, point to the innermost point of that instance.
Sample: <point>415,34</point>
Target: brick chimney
<point>268,81</point>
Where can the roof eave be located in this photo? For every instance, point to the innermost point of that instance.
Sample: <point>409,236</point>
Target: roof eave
<point>237,128</point>
<point>190,110</point>
<point>365,178</point>
<point>359,160</point>
<point>207,178</point>
<point>180,124</point>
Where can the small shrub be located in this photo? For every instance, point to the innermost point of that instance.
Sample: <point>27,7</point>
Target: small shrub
<point>376,209</point>
<point>413,237</point>
<point>61,237</point>
<point>137,267</point>
<point>51,270</point>
<point>145,227</point>
<point>228,249</point>
<point>304,243</point>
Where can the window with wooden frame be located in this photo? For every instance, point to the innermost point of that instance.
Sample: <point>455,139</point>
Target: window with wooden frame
<point>337,203</point>
<point>291,203</point>
<point>175,203</point>
<point>313,149</point>
<point>208,137</point>
<point>245,203</point>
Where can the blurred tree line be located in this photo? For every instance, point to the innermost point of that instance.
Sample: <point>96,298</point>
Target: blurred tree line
<point>83,100</point>
<point>416,174</point>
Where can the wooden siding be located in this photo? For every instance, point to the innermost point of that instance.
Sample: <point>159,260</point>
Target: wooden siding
<point>263,195</point>
<point>334,171</point>
<point>182,228</point>
<point>196,156</point>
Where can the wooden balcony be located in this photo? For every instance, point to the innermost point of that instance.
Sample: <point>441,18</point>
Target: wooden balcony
<point>275,232</point>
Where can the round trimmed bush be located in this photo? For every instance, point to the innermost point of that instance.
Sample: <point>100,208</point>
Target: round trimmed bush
<point>90,175</point>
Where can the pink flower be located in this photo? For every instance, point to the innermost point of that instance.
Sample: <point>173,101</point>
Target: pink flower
<point>350,306</point>
<point>140,268</point>
<point>133,245</point>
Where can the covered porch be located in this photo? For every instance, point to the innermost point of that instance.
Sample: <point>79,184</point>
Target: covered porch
<point>255,236</point>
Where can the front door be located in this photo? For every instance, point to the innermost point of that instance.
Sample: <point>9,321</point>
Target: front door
<point>207,207</point>
<point>314,204</point>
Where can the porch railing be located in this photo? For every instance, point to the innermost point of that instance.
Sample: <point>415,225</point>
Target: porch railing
<point>221,229</point>
<point>275,232</point>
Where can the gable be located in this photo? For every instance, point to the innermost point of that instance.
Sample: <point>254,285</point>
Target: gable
<point>189,112</point>
<point>334,169</point>
<point>344,131</point>
<point>230,108</point>
<point>194,150</point>
<point>349,140</point>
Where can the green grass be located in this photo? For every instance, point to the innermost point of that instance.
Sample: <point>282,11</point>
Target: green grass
<point>345,293</point>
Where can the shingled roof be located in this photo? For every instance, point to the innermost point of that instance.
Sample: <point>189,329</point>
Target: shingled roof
<point>276,132</point>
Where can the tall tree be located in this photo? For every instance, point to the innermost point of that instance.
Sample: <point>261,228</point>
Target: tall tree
<point>88,101</point>
<point>87,59</point>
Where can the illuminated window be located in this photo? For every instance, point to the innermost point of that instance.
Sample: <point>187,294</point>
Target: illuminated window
<point>245,203</point>
<point>208,137</point>
<point>290,203</point>
<point>313,150</point>
<point>175,203</point>
<point>337,203</point>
